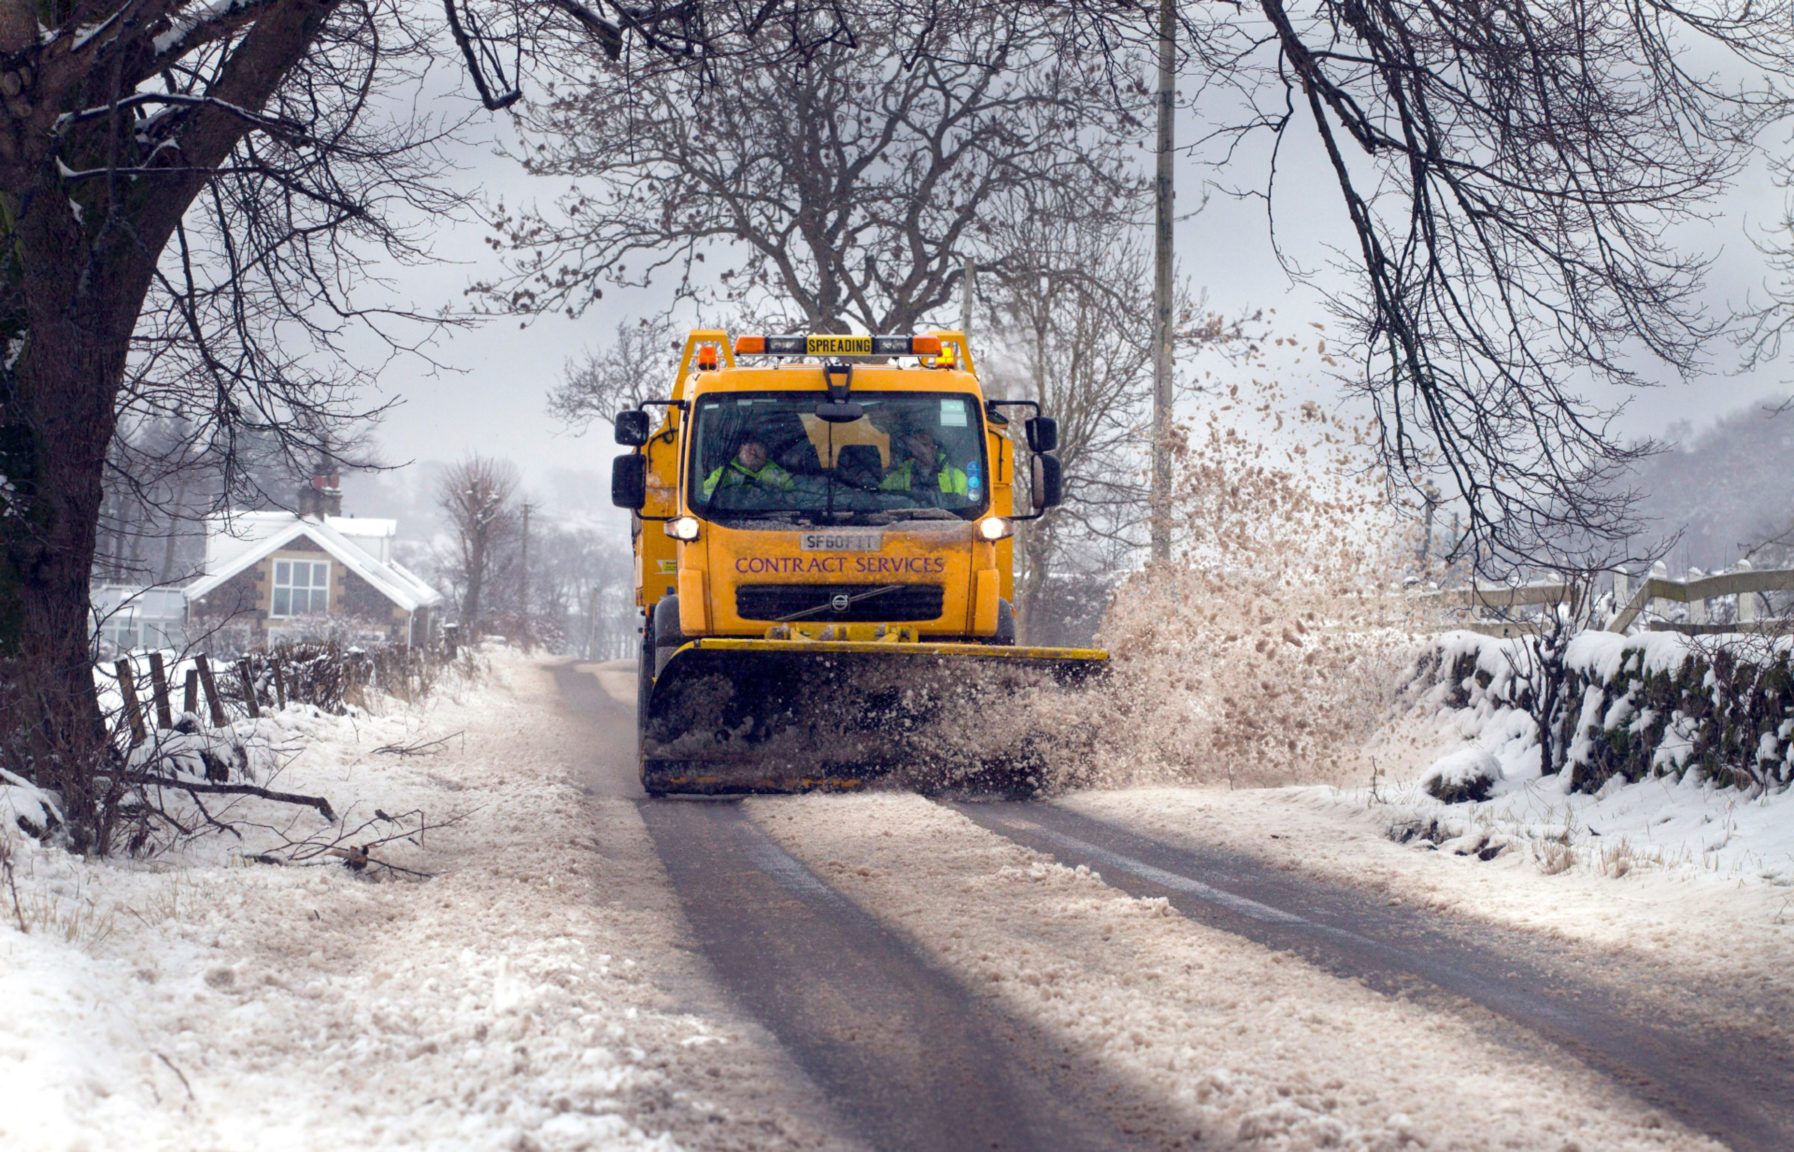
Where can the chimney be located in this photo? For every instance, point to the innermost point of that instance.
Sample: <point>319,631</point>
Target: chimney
<point>322,497</point>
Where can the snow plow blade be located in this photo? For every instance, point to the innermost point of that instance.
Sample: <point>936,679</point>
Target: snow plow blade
<point>750,716</point>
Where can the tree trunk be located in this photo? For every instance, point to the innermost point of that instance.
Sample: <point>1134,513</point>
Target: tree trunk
<point>476,577</point>
<point>65,382</point>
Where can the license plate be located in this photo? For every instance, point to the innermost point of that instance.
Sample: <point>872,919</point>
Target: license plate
<point>841,541</point>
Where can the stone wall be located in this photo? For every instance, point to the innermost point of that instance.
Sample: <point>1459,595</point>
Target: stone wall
<point>1656,704</point>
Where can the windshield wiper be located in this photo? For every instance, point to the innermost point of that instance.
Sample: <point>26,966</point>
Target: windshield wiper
<point>776,515</point>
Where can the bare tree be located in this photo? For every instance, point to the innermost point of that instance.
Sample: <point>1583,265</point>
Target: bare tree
<point>1508,173</point>
<point>187,191</point>
<point>1508,176</point>
<point>476,495</point>
<point>1541,674</point>
<point>843,185</point>
<point>175,177</point>
<point>582,591</point>
<point>1071,329</point>
<point>637,363</point>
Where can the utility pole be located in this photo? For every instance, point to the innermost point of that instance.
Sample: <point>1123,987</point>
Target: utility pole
<point>1161,291</point>
<point>1431,496</point>
<point>965,298</point>
<point>527,509</point>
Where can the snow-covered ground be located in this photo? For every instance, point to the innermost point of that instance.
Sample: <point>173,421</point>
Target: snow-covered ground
<point>542,990</point>
<point>534,993</point>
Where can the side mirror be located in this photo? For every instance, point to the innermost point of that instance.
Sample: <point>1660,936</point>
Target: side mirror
<point>1046,481</point>
<point>1043,434</point>
<point>629,480</point>
<point>633,428</point>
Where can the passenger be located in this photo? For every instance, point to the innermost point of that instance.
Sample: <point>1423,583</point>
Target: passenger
<point>750,467</point>
<point>925,467</point>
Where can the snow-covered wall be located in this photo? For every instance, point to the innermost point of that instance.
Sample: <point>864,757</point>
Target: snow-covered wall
<point>1657,704</point>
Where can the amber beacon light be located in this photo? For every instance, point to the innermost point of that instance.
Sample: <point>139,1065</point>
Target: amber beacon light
<point>844,345</point>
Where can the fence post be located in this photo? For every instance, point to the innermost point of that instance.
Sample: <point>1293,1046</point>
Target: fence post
<point>127,688</point>
<point>243,674</point>
<point>205,679</point>
<point>280,683</point>
<point>451,638</point>
<point>1747,601</point>
<point>1697,605</point>
<point>190,696</point>
<point>159,690</point>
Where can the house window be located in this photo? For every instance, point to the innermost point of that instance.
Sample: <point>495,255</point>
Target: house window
<point>301,587</point>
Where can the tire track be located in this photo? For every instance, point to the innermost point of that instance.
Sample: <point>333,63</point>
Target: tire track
<point>1725,1083</point>
<point>902,1051</point>
<point>907,1058</point>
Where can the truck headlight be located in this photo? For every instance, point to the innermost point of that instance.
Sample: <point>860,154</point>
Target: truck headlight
<point>995,528</point>
<point>683,528</point>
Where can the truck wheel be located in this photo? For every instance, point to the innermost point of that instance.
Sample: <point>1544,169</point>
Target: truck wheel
<point>644,677</point>
<point>665,629</point>
<point>1005,623</point>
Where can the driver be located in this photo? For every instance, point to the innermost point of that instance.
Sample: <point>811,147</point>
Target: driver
<point>925,466</point>
<point>750,467</point>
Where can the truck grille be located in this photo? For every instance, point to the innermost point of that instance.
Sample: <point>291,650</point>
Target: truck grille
<point>776,601</point>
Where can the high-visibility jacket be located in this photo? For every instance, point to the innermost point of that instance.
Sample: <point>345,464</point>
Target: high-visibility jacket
<point>734,474</point>
<point>902,478</point>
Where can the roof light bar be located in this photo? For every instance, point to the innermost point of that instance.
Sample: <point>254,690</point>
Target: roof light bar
<point>813,345</point>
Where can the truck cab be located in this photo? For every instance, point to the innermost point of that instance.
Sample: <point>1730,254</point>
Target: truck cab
<point>820,498</point>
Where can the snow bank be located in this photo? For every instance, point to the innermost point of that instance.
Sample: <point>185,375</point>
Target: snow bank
<point>1467,774</point>
<point>1631,707</point>
<point>514,1000</point>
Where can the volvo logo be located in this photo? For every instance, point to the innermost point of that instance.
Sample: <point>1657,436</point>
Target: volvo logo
<point>841,602</point>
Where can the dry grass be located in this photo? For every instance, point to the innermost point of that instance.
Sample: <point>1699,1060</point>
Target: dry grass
<point>1615,859</point>
<point>1554,856</point>
<point>76,918</point>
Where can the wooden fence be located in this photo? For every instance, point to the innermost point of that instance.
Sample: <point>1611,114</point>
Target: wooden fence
<point>199,683</point>
<point>1742,588</point>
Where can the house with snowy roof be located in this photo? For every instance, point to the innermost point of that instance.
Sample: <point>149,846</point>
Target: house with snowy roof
<point>289,575</point>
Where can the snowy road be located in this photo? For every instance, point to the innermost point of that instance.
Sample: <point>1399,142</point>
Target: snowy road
<point>951,976</point>
<point>899,1048</point>
<point>898,1045</point>
<point>1710,1077</point>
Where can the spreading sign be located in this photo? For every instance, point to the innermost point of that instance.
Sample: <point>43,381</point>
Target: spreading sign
<point>838,346</point>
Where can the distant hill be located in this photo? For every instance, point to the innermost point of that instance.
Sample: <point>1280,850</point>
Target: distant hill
<point>1726,489</point>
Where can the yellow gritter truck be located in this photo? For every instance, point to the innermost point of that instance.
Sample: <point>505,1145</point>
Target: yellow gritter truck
<point>823,560</point>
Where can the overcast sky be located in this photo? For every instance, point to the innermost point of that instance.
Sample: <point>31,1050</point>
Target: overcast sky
<point>494,400</point>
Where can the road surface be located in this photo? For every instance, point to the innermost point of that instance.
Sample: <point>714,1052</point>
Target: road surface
<point>891,944</point>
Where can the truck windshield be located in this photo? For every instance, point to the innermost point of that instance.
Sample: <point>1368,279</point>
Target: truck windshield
<point>768,456</point>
